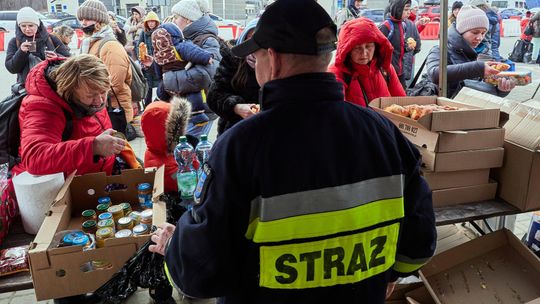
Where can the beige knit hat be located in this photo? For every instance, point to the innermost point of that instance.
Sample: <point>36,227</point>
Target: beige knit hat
<point>27,14</point>
<point>188,9</point>
<point>471,17</point>
<point>93,10</point>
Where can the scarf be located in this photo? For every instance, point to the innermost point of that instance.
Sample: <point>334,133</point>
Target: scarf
<point>106,31</point>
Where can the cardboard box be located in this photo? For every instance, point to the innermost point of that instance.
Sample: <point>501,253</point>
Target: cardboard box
<point>59,272</point>
<point>450,141</point>
<point>462,195</point>
<point>462,160</point>
<point>470,118</point>
<point>453,179</point>
<point>419,296</point>
<point>495,268</point>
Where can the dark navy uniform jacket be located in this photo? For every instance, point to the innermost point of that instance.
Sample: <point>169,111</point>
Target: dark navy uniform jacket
<point>313,200</point>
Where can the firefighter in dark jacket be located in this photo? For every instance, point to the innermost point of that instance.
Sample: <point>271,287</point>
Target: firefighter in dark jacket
<point>271,224</point>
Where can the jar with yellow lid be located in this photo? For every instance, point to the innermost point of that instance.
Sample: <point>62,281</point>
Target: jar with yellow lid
<point>117,212</point>
<point>125,223</point>
<point>102,234</point>
<point>90,226</point>
<point>146,217</point>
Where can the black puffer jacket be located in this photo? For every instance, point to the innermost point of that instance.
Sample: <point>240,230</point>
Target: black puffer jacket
<point>222,97</point>
<point>17,61</point>
<point>408,58</point>
<point>393,28</point>
<point>463,66</point>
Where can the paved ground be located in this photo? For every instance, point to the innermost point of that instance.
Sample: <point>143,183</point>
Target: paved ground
<point>520,227</point>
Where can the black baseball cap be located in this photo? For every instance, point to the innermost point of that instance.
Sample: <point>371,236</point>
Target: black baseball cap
<point>289,26</point>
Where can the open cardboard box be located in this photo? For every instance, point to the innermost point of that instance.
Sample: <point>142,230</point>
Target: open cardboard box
<point>495,268</point>
<point>462,195</point>
<point>469,118</point>
<point>462,160</point>
<point>59,272</point>
<point>519,177</point>
<point>452,179</point>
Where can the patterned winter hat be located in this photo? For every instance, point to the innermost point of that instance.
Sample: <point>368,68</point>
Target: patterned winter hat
<point>93,10</point>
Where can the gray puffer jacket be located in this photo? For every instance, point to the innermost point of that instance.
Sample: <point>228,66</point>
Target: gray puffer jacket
<point>463,67</point>
<point>198,77</point>
<point>408,58</point>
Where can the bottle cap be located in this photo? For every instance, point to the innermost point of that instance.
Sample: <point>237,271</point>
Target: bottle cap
<point>105,216</point>
<point>204,137</point>
<point>124,220</point>
<point>123,233</point>
<point>68,238</point>
<point>183,139</point>
<point>81,240</point>
<point>144,186</point>
<point>89,224</point>
<point>104,200</point>
<point>140,229</point>
<point>146,214</point>
<point>88,213</point>
<point>115,209</point>
<point>102,207</point>
<point>104,232</point>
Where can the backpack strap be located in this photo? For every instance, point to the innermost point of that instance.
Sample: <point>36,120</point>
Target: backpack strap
<point>347,78</point>
<point>102,43</point>
<point>199,40</point>
<point>390,26</point>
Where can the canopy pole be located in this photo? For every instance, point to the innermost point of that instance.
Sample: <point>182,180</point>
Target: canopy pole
<point>443,48</point>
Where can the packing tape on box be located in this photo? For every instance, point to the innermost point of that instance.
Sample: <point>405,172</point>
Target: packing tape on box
<point>34,196</point>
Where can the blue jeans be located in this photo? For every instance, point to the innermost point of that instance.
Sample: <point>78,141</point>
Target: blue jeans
<point>199,129</point>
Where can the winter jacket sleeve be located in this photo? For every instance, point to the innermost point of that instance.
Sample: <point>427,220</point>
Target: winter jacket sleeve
<point>16,60</point>
<point>61,48</point>
<point>196,78</point>
<point>191,52</point>
<point>116,59</point>
<point>198,258</point>
<point>455,72</point>
<point>42,149</point>
<point>222,97</point>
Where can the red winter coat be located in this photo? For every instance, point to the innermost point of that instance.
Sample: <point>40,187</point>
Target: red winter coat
<point>42,123</point>
<point>353,33</point>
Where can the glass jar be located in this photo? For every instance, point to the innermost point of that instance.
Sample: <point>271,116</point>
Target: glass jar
<point>104,200</point>
<point>102,234</point>
<point>105,216</point>
<point>146,217</point>
<point>123,233</point>
<point>136,216</point>
<point>90,226</point>
<point>68,238</point>
<point>126,207</point>
<point>125,223</point>
<point>140,229</point>
<point>116,211</point>
<point>102,208</point>
<point>105,223</point>
<point>145,194</point>
<point>89,215</point>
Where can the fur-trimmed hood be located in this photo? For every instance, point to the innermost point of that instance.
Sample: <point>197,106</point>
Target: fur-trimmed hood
<point>163,123</point>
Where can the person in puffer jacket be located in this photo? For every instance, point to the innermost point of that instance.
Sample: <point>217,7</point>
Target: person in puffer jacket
<point>62,93</point>
<point>394,29</point>
<point>234,95</point>
<point>151,22</point>
<point>465,46</point>
<point>363,63</point>
<point>172,53</point>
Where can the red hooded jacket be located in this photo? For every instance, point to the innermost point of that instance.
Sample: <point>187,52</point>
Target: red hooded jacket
<point>42,123</point>
<point>368,77</point>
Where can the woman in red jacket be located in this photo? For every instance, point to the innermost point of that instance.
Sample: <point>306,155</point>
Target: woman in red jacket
<point>67,92</point>
<point>363,63</point>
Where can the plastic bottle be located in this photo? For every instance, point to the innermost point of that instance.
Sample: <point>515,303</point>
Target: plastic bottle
<point>186,176</point>
<point>203,150</point>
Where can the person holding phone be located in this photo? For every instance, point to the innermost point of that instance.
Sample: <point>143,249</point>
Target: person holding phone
<point>31,44</point>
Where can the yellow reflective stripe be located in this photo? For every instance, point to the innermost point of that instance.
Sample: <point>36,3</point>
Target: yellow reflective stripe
<point>169,278</point>
<point>339,260</point>
<point>404,267</point>
<point>321,224</point>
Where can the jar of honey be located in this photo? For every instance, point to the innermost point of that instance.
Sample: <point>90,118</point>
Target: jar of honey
<point>125,223</point>
<point>106,223</point>
<point>141,229</point>
<point>146,217</point>
<point>126,207</point>
<point>103,234</point>
<point>89,215</point>
<point>117,212</point>
<point>90,226</point>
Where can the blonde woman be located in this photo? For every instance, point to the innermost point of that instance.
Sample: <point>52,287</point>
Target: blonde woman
<point>64,33</point>
<point>64,122</point>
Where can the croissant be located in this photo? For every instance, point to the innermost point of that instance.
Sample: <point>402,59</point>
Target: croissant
<point>143,51</point>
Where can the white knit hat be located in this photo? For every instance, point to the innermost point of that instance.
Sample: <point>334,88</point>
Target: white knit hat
<point>188,9</point>
<point>471,17</point>
<point>27,14</point>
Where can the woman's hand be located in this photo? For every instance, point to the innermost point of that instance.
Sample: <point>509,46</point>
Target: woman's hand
<point>161,237</point>
<point>506,85</point>
<point>50,54</point>
<point>106,145</point>
<point>489,70</point>
<point>424,20</point>
<point>147,62</point>
<point>244,110</point>
<point>25,46</point>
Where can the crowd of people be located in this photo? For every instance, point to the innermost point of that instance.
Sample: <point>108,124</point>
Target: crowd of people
<point>274,91</point>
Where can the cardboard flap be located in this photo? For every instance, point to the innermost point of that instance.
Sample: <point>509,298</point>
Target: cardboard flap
<point>524,128</point>
<point>158,183</point>
<point>62,193</point>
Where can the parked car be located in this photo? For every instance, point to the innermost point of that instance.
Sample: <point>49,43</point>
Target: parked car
<point>220,21</point>
<point>375,15</point>
<point>509,12</point>
<point>431,12</point>
<point>75,24</point>
<point>57,15</point>
<point>8,20</point>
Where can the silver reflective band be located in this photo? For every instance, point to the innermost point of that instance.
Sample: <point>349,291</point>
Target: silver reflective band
<point>326,199</point>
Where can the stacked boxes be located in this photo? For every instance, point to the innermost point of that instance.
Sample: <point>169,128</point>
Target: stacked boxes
<point>458,147</point>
